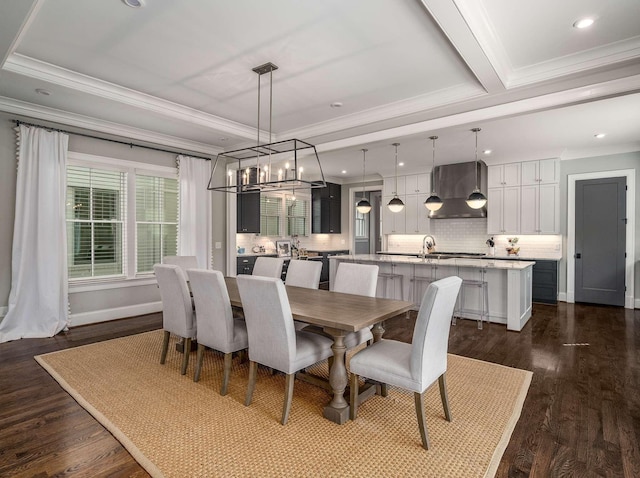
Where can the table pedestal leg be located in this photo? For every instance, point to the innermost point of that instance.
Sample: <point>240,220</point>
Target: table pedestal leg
<point>338,409</point>
<point>378,332</point>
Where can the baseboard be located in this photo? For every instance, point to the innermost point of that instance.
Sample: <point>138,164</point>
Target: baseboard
<point>637,304</point>
<point>562,296</point>
<point>84,318</point>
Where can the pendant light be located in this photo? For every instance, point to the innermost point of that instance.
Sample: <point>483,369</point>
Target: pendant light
<point>363,205</point>
<point>433,202</point>
<point>476,199</point>
<point>396,204</point>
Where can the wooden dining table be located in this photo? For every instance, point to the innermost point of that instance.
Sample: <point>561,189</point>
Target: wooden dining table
<point>337,314</point>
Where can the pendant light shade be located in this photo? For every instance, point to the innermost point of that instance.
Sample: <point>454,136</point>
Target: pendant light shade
<point>396,204</point>
<point>433,202</point>
<point>476,199</point>
<point>363,205</point>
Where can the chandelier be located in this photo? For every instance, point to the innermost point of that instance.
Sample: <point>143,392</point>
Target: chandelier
<point>279,166</point>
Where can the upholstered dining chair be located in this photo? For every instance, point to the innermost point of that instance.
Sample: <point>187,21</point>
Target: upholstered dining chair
<point>178,316</point>
<point>216,326</point>
<point>183,262</point>
<point>304,274</point>
<point>273,340</point>
<point>418,365</point>
<point>358,279</point>
<point>268,267</point>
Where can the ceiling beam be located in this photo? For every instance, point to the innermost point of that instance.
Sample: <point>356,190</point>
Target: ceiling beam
<point>452,23</point>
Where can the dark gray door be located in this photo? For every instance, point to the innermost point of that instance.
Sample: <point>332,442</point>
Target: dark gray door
<point>600,241</point>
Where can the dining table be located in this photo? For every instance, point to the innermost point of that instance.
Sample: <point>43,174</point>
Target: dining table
<point>337,314</point>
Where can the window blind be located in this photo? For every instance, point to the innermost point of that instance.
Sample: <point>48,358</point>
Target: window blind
<point>95,212</point>
<point>297,214</point>
<point>270,212</point>
<point>156,220</point>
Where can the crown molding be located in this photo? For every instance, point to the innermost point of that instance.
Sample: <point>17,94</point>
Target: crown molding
<point>565,98</point>
<point>44,113</point>
<point>40,70</point>
<point>600,57</point>
<point>480,24</point>
<point>610,150</point>
<point>398,109</point>
<point>31,8</point>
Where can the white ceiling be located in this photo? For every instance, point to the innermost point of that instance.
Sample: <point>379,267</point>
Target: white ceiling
<point>180,74</point>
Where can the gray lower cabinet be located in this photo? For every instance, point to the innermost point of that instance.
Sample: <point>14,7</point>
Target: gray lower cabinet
<point>545,282</point>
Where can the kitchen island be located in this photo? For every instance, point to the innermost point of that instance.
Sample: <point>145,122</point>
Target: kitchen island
<point>406,278</point>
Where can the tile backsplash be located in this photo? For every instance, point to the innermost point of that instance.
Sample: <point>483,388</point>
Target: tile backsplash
<point>314,241</point>
<point>470,235</point>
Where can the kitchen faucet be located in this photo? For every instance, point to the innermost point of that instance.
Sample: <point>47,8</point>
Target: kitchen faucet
<point>428,243</point>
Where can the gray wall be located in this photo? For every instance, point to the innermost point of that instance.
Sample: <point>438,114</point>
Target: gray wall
<point>82,302</point>
<point>589,165</point>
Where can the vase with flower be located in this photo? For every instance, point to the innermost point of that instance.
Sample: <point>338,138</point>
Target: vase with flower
<point>512,249</point>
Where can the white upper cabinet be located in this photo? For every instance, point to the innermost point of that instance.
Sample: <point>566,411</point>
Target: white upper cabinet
<point>503,175</point>
<point>393,222</point>
<point>503,210</point>
<point>418,184</point>
<point>544,171</point>
<point>417,216</point>
<point>389,186</point>
<point>540,211</point>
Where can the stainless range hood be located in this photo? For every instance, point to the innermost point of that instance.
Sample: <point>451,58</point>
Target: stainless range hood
<point>454,183</point>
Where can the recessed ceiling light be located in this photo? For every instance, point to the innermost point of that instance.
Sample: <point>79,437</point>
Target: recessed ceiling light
<point>487,151</point>
<point>344,172</point>
<point>42,91</point>
<point>224,138</point>
<point>134,3</point>
<point>336,104</point>
<point>599,135</point>
<point>400,164</point>
<point>583,23</point>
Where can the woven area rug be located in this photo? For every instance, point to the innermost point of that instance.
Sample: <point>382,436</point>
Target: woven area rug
<point>174,427</point>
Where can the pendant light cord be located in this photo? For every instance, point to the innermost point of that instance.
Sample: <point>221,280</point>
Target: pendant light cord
<point>433,168</point>
<point>396,188</point>
<point>364,156</point>
<point>476,130</point>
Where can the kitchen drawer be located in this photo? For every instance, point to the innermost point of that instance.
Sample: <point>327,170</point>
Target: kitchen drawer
<point>545,282</point>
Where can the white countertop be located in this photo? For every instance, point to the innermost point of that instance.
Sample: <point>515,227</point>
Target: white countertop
<point>456,262</point>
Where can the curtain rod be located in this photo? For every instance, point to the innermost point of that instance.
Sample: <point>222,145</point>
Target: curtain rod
<point>131,145</point>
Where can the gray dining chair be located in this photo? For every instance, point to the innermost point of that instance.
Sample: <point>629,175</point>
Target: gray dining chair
<point>183,262</point>
<point>358,279</point>
<point>415,366</point>
<point>216,326</point>
<point>273,340</point>
<point>303,274</point>
<point>268,267</point>
<point>178,316</point>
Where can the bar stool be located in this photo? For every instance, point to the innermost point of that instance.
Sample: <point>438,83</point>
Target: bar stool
<point>483,313</point>
<point>391,276</point>
<point>419,280</point>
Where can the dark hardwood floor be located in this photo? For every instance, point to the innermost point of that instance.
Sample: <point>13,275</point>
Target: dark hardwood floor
<point>581,417</point>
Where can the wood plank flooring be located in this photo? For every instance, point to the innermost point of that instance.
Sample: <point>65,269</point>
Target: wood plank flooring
<point>581,417</point>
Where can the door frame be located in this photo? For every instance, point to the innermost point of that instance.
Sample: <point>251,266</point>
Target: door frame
<point>352,208</point>
<point>630,175</point>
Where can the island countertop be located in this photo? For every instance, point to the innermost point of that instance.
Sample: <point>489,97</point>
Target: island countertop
<point>444,261</point>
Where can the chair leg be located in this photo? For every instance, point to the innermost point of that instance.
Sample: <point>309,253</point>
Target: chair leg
<point>422,423</point>
<point>253,373</point>
<point>165,347</point>
<point>353,410</point>
<point>199,359</point>
<point>185,358</point>
<point>226,374</point>
<point>288,397</point>
<point>442,382</point>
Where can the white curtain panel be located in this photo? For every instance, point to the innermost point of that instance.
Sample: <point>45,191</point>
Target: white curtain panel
<point>39,289</point>
<point>195,234</point>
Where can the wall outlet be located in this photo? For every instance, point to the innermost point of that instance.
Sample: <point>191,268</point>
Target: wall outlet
<point>218,245</point>
<point>343,242</point>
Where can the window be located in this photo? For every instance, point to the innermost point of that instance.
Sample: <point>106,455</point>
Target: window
<point>95,222</point>
<point>270,211</point>
<point>297,211</point>
<point>122,217</point>
<point>362,225</point>
<point>156,220</point>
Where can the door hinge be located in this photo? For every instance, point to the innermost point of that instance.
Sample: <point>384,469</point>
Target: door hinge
<point>625,221</point>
